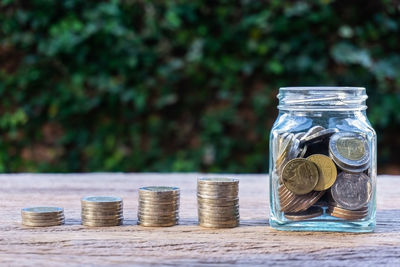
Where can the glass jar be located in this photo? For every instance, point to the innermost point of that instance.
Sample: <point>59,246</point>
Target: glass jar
<point>322,161</point>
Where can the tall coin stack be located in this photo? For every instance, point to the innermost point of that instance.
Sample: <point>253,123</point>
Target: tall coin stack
<point>218,202</point>
<point>42,216</point>
<point>98,211</point>
<point>158,206</point>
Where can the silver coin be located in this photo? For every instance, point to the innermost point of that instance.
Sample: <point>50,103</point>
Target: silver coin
<point>347,168</point>
<point>303,151</point>
<point>159,189</point>
<point>350,150</point>
<point>101,200</point>
<point>284,152</point>
<point>280,140</point>
<point>311,131</point>
<point>42,210</point>
<point>318,136</point>
<point>217,181</point>
<point>294,150</point>
<point>299,135</point>
<point>352,191</point>
<point>159,192</point>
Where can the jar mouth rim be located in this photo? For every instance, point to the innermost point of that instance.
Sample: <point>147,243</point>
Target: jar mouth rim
<point>322,98</point>
<point>301,88</point>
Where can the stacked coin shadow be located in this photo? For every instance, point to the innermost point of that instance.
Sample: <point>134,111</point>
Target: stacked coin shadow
<point>323,171</point>
<point>42,216</point>
<point>102,211</point>
<point>218,202</point>
<point>158,206</point>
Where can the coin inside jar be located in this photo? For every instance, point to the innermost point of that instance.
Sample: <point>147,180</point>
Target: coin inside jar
<point>352,191</point>
<point>318,136</point>
<point>350,151</point>
<point>300,176</point>
<point>312,212</point>
<point>327,171</point>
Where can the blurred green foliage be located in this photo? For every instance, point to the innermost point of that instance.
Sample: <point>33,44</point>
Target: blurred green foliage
<point>180,85</point>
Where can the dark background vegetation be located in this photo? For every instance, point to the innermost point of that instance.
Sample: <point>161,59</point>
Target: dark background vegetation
<point>181,85</point>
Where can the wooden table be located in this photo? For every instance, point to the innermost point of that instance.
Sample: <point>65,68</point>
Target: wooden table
<point>253,243</point>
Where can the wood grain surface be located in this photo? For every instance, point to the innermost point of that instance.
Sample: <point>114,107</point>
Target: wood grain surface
<point>253,243</point>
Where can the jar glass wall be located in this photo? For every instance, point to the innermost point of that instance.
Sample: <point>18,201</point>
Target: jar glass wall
<point>322,161</point>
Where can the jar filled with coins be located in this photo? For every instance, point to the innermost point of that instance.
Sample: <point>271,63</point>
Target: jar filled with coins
<point>322,161</point>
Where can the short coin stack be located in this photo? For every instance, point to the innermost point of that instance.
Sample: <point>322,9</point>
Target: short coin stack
<point>42,216</point>
<point>98,211</point>
<point>158,206</point>
<point>218,202</point>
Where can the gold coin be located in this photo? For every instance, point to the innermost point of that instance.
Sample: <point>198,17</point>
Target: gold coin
<point>300,176</point>
<point>228,214</point>
<point>217,202</point>
<point>43,224</point>
<point>47,219</point>
<point>158,215</point>
<point>219,225</point>
<point>327,171</point>
<point>159,200</point>
<point>101,217</point>
<point>218,186</point>
<point>159,190</point>
<point>102,224</point>
<point>101,213</point>
<point>157,224</point>
<point>218,191</point>
<point>101,201</point>
<point>312,212</point>
<point>219,209</point>
<point>220,197</point>
<point>291,202</point>
<point>349,212</point>
<point>101,207</point>
<point>42,217</point>
<point>344,216</point>
<point>154,202</point>
<point>217,180</point>
<point>216,220</point>
<point>42,211</point>
<point>307,203</point>
<point>287,201</point>
<point>157,211</point>
<point>159,197</point>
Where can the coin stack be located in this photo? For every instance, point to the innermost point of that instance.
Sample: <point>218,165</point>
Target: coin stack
<point>339,212</point>
<point>323,161</point>
<point>99,211</point>
<point>42,216</point>
<point>158,206</point>
<point>218,202</point>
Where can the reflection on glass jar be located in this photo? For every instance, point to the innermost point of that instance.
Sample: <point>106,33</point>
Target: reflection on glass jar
<point>322,161</point>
